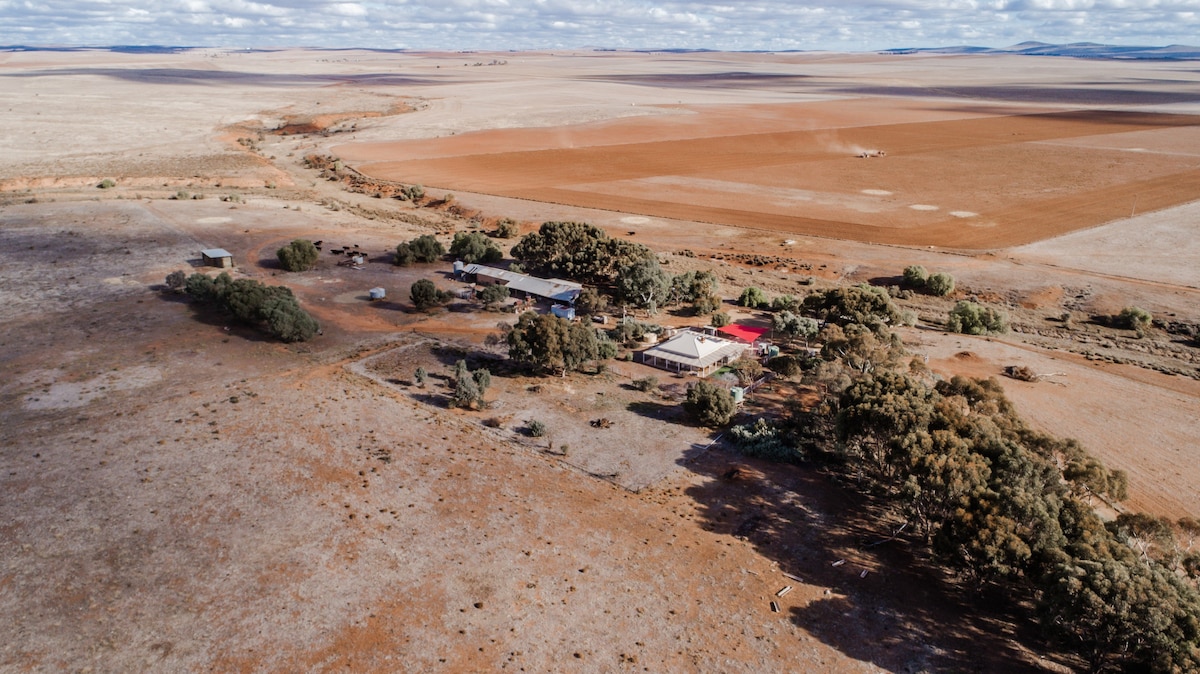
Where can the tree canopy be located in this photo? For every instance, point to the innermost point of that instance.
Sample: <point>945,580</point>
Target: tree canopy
<point>552,344</point>
<point>273,309</point>
<point>976,319</point>
<point>425,295</point>
<point>862,304</point>
<point>710,404</point>
<point>424,248</point>
<point>577,250</point>
<point>299,255</point>
<point>643,284</point>
<point>471,247</point>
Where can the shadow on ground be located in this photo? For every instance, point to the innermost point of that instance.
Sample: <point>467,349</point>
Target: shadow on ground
<point>883,601</point>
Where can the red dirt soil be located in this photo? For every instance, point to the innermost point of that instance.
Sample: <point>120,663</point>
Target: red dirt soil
<point>967,183</point>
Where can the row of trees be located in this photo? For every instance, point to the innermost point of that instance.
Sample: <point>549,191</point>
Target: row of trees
<point>273,309</point>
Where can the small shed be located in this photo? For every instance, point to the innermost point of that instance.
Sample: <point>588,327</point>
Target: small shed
<point>217,257</point>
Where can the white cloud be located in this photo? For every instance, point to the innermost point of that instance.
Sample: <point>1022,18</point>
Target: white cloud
<point>524,24</point>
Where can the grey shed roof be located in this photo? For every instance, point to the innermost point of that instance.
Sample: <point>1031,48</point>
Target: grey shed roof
<point>216,252</point>
<point>551,288</point>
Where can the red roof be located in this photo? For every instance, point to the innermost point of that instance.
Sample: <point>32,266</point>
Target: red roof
<point>745,333</point>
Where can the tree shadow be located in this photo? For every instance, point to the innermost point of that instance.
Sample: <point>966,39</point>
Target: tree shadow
<point>884,602</point>
<point>660,411</point>
<point>207,314</point>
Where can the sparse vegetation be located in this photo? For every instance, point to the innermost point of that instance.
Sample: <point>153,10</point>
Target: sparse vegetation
<point>976,319</point>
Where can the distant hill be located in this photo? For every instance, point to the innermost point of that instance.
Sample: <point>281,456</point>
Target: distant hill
<point>1088,50</point>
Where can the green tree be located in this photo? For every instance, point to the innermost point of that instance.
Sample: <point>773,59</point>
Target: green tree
<point>1135,318</point>
<point>425,295</point>
<point>720,319</point>
<point>862,304</point>
<point>577,250</point>
<point>271,308</point>
<point>792,326</point>
<point>753,298</point>
<point>493,295</point>
<point>693,286</point>
<point>785,303</point>
<point>299,255</point>
<point>404,255</point>
<point>550,343</point>
<point>710,404</point>
<point>976,319</point>
<point>643,284</point>
<point>507,228</point>
<point>915,276</point>
<point>177,281</point>
<point>590,302</point>
<point>940,284</point>
<point>471,247</point>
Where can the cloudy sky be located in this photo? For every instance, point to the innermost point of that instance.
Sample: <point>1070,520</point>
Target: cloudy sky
<point>847,25</point>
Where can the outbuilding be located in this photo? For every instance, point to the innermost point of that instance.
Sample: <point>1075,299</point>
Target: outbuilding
<point>217,257</point>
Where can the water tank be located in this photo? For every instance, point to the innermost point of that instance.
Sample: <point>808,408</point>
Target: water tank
<point>738,393</point>
<point>772,351</point>
<point>378,293</point>
<point>458,267</point>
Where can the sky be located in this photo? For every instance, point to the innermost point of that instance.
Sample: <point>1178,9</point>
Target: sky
<point>768,25</point>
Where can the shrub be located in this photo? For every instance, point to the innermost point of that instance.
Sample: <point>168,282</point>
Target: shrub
<point>915,276</point>
<point>425,295</point>
<point>272,308</point>
<point>107,183</point>
<point>536,429</point>
<point>940,284</point>
<point>471,247</point>
<point>493,294</point>
<point>646,384</point>
<point>785,303</point>
<point>720,319</point>
<point>404,255</point>
<point>426,248</point>
<point>710,404</point>
<point>176,281</point>
<point>975,319</point>
<point>507,228</point>
<point>420,376</point>
<point>785,365</point>
<point>299,255</point>
<point>762,440</point>
<point>606,349</point>
<point>753,298</point>
<point>706,304</point>
<point>1134,318</point>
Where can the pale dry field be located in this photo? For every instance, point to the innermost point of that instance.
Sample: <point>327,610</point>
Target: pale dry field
<point>180,496</point>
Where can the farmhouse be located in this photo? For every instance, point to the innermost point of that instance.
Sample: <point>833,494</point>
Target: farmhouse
<point>551,289</point>
<point>217,257</point>
<point>693,351</point>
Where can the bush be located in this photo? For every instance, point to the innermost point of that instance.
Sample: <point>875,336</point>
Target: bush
<point>507,228</point>
<point>705,304</point>
<point>975,319</point>
<point>762,440</point>
<point>536,429</point>
<point>915,276</point>
<point>940,284</point>
<point>720,319</point>
<point>404,255</point>
<point>272,308</point>
<point>299,255</point>
<point>426,248</point>
<point>1134,318</point>
<point>753,298</point>
<point>425,295</point>
<point>785,303</point>
<point>176,281</point>
<point>785,365</point>
<point>474,247</point>
<point>710,404</point>
<point>493,294</point>
<point>107,183</point>
<point>412,193</point>
<point>646,384</point>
